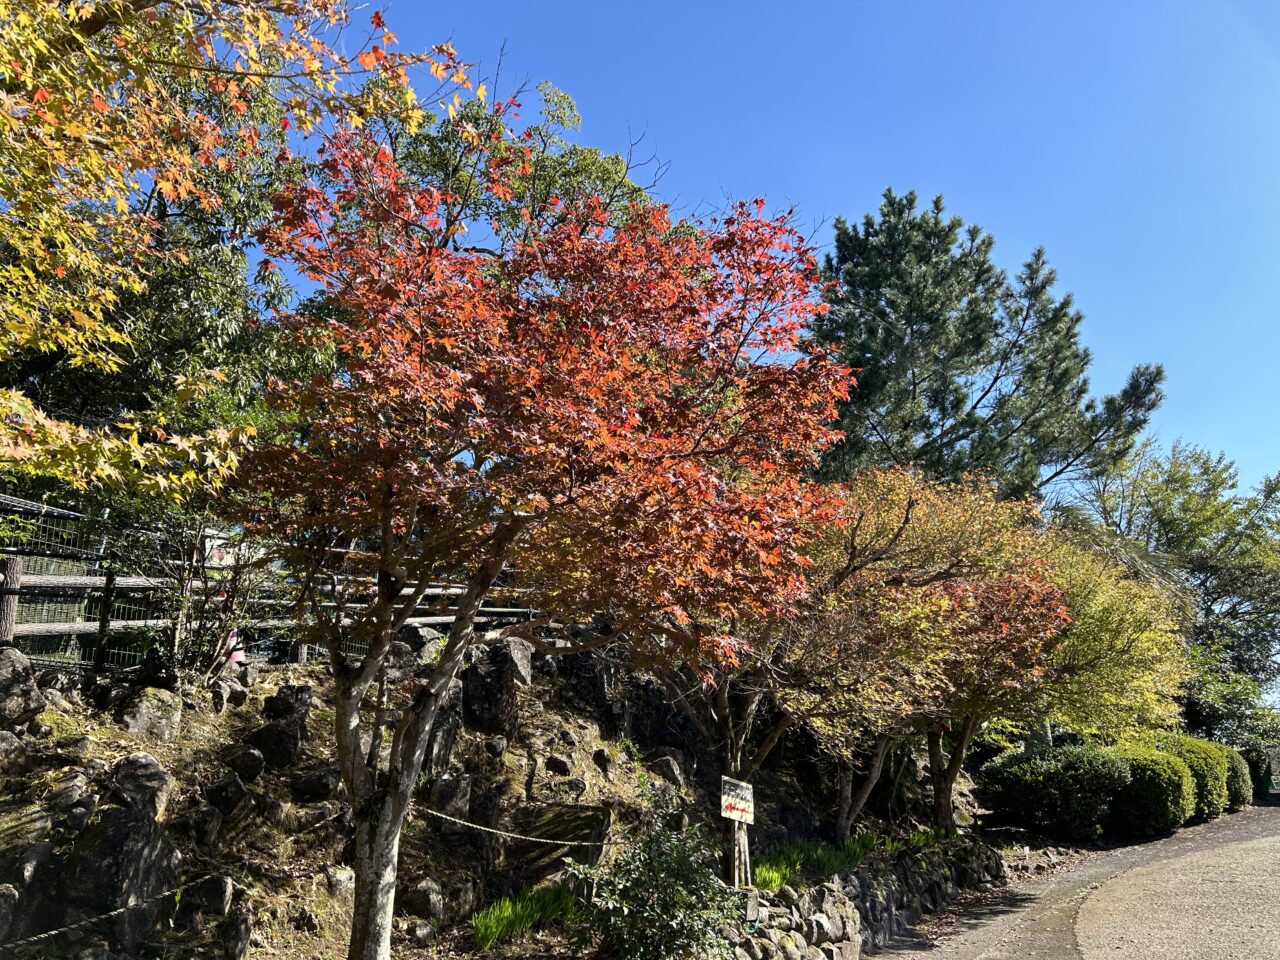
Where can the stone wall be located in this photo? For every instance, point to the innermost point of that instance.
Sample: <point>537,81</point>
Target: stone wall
<point>848,916</point>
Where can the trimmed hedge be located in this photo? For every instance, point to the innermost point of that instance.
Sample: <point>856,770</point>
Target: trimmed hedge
<point>1064,791</point>
<point>1208,768</point>
<point>1239,781</point>
<point>1260,772</point>
<point>1159,797</point>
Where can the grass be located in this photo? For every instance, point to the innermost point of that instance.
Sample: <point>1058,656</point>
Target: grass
<point>789,862</point>
<point>529,909</point>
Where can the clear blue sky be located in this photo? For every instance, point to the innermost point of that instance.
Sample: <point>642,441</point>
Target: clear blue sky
<point>1138,141</point>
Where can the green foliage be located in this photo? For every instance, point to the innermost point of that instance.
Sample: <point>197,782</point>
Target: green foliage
<point>961,367</point>
<point>1063,791</point>
<point>1187,508</point>
<point>795,860</point>
<point>1160,795</point>
<point>1208,769</point>
<point>531,909</point>
<point>1260,771</point>
<point>1239,780</point>
<point>659,898</point>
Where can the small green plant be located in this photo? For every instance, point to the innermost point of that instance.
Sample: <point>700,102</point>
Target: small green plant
<point>531,909</point>
<point>788,862</point>
<point>659,899</point>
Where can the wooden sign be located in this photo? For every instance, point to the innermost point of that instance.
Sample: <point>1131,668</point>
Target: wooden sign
<point>737,801</point>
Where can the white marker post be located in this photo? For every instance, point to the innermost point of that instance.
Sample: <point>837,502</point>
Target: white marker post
<point>738,806</point>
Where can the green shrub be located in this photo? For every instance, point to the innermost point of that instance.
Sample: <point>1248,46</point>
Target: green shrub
<point>1239,781</point>
<point>1062,791</point>
<point>658,899</point>
<point>1208,768</point>
<point>530,909</point>
<point>1160,795</point>
<point>1260,772</point>
<point>786,863</point>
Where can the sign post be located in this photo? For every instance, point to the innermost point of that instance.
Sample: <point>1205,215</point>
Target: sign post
<point>738,806</point>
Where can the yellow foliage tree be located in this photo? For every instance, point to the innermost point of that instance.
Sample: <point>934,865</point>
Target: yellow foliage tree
<point>97,130</point>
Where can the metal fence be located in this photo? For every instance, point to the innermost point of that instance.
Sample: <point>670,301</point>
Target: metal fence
<point>65,603</point>
<point>60,603</point>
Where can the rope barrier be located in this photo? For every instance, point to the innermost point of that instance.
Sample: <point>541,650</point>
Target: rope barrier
<point>520,836</point>
<point>17,945</point>
<point>14,945</point>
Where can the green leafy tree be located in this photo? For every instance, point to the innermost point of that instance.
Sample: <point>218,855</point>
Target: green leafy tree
<point>961,368</point>
<point>1187,508</point>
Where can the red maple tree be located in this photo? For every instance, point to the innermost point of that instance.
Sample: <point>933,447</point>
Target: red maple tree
<point>615,412</point>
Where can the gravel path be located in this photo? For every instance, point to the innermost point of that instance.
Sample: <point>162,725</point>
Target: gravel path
<point>1210,892</point>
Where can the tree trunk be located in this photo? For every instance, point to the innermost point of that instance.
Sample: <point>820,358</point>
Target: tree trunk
<point>944,770</point>
<point>852,803</point>
<point>377,853</point>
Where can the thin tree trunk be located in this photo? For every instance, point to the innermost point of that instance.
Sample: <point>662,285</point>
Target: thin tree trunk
<point>376,861</point>
<point>853,803</point>
<point>380,799</point>
<point>944,770</point>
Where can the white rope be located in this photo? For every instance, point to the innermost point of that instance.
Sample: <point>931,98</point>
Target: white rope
<point>521,836</point>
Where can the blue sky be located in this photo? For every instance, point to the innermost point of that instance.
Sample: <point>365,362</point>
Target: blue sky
<point>1138,141</point>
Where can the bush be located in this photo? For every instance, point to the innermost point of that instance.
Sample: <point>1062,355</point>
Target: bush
<point>1208,769</point>
<point>1260,772</point>
<point>530,909</point>
<point>1239,781</point>
<point>1160,795</point>
<point>659,899</point>
<point>788,862</point>
<point>1062,791</point>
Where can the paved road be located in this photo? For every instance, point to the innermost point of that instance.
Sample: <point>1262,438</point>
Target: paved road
<point>1210,892</point>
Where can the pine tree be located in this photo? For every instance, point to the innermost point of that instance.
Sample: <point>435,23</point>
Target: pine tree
<point>960,368</point>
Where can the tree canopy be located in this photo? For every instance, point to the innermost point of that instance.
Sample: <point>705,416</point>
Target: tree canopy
<point>961,368</point>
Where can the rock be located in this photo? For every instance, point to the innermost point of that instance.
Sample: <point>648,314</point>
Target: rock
<point>145,785</point>
<point>124,858</point>
<point>38,729</point>
<point>8,904</point>
<point>247,675</point>
<point>421,933</point>
<point>465,901</point>
<point>340,880</point>
<point>489,702</point>
<point>452,796</point>
<point>520,654</point>
<point>152,714</point>
<point>558,766</point>
<point>20,698</point>
<point>315,787</point>
<point>495,746</point>
<point>12,751</point>
<point>604,762</point>
<point>280,742</point>
<point>669,770</point>
<point>426,899</point>
<point>423,641</point>
<point>108,696</point>
<point>291,700</point>
<point>73,747</point>
<point>56,701</point>
<point>246,762</point>
<point>62,789</point>
<point>206,823</point>
<point>231,798</point>
<point>237,932</point>
<point>216,895</point>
